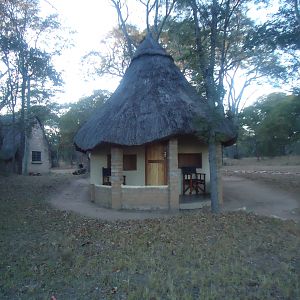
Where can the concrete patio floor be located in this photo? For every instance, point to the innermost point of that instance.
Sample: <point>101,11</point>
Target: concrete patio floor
<point>193,201</point>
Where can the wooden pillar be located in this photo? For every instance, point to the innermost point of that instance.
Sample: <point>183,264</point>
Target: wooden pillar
<point>116,177</point>
<point>173,174</point>
<point>219,166</point>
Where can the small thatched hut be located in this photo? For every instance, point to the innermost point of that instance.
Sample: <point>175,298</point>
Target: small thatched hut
<point>38,160</point>
<point>142,138</point>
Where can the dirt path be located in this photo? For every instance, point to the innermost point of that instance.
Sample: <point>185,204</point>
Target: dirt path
<point>260,198</point>
<point>75,198</point>
<point>239,194</point>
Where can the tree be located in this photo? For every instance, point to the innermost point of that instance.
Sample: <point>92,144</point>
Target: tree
<point>238,62</point>
<point>223,42</point>
<point>281,34</point>
<point>273,123</point>
<point>215,46</point>
<point>69,123</point>
<point>122,41</point>
<point>160,11</point>
<point>26,65</point>
<point>116,58</point>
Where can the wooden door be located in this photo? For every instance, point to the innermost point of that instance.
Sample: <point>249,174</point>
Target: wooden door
<point>156,164</point>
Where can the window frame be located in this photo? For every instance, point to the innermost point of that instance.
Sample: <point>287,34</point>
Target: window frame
<point>129,162</point>
<point>126,164</point>
<point>184,157</point>
<point>36,157</point>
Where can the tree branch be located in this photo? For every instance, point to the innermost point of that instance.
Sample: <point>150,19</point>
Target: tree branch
<point>199,49</point>
<point>297,13</point>
<point>167,14</point>
<point>122,23</point>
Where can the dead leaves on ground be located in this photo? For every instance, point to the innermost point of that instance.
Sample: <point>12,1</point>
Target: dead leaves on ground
<point>50,250</point>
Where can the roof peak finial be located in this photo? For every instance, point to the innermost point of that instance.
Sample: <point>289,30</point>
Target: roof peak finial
<point>149,46</point>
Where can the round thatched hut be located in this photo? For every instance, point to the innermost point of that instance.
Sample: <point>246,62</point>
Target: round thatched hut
<point>145,146</point>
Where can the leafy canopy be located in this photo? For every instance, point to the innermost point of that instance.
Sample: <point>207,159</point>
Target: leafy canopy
<point>273,124</point>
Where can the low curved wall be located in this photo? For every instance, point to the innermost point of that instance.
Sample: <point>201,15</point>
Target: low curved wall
<point>133,197</point>
<point>145,197</point>
<point>101,194</point>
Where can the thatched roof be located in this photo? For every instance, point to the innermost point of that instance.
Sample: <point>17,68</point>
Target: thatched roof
<point>10,139</point>
<point>153,101</point>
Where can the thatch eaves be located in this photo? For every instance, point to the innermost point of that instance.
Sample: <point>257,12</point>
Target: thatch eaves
<point>10,136</point>
<point>10,139</point>
<point>154,101</point>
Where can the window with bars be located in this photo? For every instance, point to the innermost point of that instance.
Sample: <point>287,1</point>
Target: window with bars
<point>36,156</point>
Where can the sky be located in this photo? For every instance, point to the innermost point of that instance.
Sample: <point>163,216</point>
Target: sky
<point>92,20</point>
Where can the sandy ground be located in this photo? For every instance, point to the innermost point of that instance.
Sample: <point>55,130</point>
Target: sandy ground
<point>260,197</point>
<point>75,197</point>
<point>244,189</point>
<point>63,170</point>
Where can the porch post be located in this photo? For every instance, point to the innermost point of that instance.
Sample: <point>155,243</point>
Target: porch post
<point>219,166</point>
<point>173,174</point>
<point>116,177</point>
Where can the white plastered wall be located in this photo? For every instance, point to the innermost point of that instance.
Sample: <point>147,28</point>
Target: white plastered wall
<point>136,177</point>
<point>99,161</point>
<point>193,145</point>
<point>37,142</point>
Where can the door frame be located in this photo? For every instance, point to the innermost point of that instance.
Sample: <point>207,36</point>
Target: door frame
<point>165,144</point>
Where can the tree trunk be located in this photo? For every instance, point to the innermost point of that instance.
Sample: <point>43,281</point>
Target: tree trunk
<point>23,126</point>
<point>14,138</point>
<point>122,23</point>
<point>214,173</point>
<point>26,147</point>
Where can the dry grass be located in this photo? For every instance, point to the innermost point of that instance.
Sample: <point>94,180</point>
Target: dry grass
<point>289,160</point>
<point>282,172</point>
<point>45,252</point>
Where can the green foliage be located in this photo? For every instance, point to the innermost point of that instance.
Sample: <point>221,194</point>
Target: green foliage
<point>26,53</point>
<point>76,114</point>
<point>285,25</point>
<point>238,48</point>
<point>61,122</point>
<point>47,114</point>
<point>271,126</point>
<point>178,38</point>
<point>281,34</point>
<point>27,73</point>
<point>115,59</point>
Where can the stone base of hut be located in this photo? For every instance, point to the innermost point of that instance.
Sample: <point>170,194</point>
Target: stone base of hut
<point>133,197</point>
<point>147,197</point>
